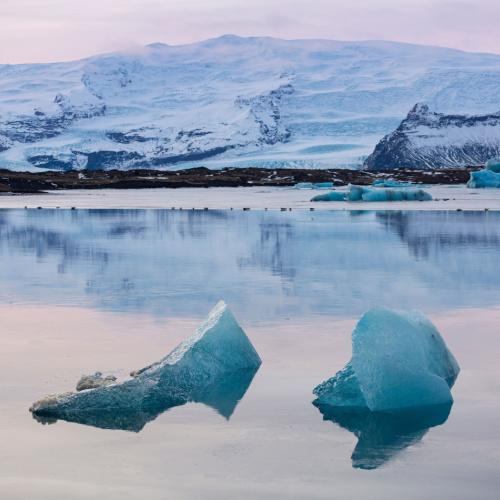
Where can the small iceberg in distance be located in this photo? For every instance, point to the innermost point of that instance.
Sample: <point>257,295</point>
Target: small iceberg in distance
<point>214,366</point>
<point>396,385</point>
<point>331,196</point>
<point>489,177</point>
<point>374,194</point>
<point>493,164</point>
<point>484,179</point>
<point>391,183</point>
<point>313,185</point>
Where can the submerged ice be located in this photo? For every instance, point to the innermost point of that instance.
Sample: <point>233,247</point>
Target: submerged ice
<point>373,194</point>
<point>214,366</point>
<point>399,362</point>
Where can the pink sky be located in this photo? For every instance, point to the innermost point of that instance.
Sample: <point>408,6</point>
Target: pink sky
<point>54,30</point>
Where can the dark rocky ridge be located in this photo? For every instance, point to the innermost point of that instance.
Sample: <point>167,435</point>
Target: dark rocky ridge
<point>29,182</point>
<point>429,140</point>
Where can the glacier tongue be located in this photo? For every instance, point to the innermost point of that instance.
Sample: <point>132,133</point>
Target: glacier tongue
<point>213,366</point>
<point>399,361</point>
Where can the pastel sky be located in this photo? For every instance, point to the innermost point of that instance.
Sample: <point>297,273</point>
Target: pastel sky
<point>54,30</point>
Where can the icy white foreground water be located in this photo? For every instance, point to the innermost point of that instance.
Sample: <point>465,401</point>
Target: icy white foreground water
<point>255,198</point>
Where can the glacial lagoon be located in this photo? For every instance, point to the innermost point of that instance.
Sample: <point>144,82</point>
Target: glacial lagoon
<point>114,290</point>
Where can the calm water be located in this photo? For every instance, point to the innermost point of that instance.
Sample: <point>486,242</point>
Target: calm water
<point>114,290</point>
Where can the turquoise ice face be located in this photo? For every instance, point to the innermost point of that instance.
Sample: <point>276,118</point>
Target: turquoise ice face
<point>399,361</point>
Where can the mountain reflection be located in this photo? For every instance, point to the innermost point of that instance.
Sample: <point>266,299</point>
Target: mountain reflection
<point>223,396</point>
<point>266,264</point>
<point>381,436</point>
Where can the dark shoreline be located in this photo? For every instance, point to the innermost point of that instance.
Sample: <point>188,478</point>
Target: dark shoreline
<point>29,182</point>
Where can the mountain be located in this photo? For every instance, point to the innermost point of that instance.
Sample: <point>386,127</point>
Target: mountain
<point>426,139</point>
<point>231,101</point>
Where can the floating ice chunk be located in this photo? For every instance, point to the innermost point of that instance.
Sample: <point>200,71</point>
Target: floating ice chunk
<point>361,193</point>
<point>331,196</point>
<point>399,361</point>
<point>391,183</point>
<point>493,164</point>
<point>484,179</point>
<point>372,194</point>
<point>218,353</point>
<point>315,185</point>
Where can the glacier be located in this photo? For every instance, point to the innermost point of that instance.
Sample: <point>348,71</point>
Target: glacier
<point>231,101</point>
<point>374,194</point>
<point>399,362</point>
<point>214,366</point>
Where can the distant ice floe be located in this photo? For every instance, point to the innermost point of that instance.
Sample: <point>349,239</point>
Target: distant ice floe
<point>489,177</point>
<point>214,366</point>
<point>391,183</point>
<point>313,185</point>
<point>373,194</point>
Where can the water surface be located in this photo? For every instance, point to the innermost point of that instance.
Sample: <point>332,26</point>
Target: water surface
<point>114,290</point>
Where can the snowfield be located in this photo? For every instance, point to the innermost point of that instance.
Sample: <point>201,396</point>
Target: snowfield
<point>231,101</point>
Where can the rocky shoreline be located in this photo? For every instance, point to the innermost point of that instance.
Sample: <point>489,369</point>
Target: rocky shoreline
<point>39,182</point>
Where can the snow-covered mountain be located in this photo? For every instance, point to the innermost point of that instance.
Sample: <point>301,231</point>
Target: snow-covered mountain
<point>231,101</point>
<point>426,139</point>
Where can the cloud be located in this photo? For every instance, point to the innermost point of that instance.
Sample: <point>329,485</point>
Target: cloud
<point>51,30</point>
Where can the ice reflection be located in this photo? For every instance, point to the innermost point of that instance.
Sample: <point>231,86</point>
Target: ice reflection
<point>266,264</point>
<point>223,396</point>
<point>381,436</point>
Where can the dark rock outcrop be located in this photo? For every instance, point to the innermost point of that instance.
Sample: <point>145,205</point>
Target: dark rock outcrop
<point>427,140</point>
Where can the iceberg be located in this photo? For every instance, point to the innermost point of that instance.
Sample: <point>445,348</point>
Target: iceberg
<point>214,366</point>
<point>484,179</point>
<point>331,196</point>
<point>399,362</point>
<point>361,193</point>
<point>373,194</point>
<point>493,164</point>
<point>391,183</point>
<point>313,185</point>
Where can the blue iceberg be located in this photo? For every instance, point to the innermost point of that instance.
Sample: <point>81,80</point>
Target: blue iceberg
<point>331,196</point>
<point>373,194</point>
<point>214,366</point>
<point>391,183</point>
<point>399,362</point>
<point>361,193</point>
<point>484,179</point>
<point>313,185</point>
<point>493,164</point>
